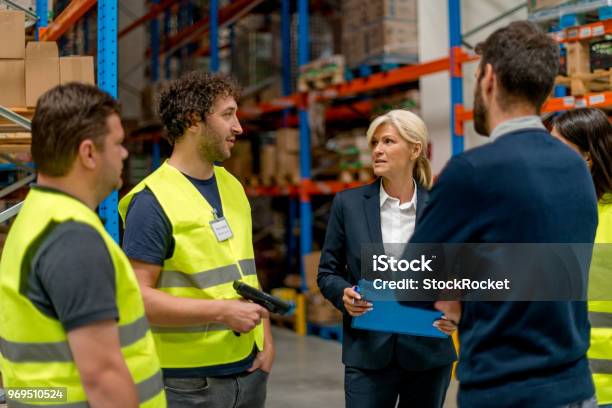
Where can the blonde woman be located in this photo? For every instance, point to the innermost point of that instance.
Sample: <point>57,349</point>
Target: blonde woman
<point>381,368</point>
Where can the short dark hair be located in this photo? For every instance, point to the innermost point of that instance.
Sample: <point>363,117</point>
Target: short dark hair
<point>591,131</point>
<point>64,117</point>
<point>525,61</point>
<point>192,94</point>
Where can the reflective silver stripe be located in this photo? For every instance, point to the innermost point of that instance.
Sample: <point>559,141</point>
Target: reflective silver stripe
<point>600,320</point>
<point>190,329</point>
<point>147,389</point>
<point>131,333</point>
<point>18,352</point>
<point>601,366</point>
<point>150,387</point>
<point>35,352</point>
<point>200,280</point>
<point>17,404</point>
<point>248,267</point>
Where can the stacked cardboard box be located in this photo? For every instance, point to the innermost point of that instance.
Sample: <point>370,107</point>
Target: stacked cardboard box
<point>380,31</point>
<point>12,55</point>
<point>28,72</point>
<point>288,155</point>
<point>318,309</point>
<point>240,164</point>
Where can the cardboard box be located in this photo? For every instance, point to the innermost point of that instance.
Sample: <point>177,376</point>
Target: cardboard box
<point>77,69</point>
<point>288,167</point>
<point>12,34</point>
<point>354,14</point>
<point>240,164</point>
<point>352,47</point>
<point>392,9</point>
<point>288,140</point>
<point>320,310</point>
<point>42,69</point>
<point>12,83</point>
<point>578,58</point>
<point>311,269</point>
<point>391,38</point>
<point>267,164</point>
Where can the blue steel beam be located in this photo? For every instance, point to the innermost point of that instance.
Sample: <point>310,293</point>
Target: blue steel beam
<point>42,10</point>
<point>214,35</point>
<point>155,159</point>
<point>456,91</point>
<point>154,28</point>
<point>167,58</point>
<point>305,159</point>
<point>107,80</point>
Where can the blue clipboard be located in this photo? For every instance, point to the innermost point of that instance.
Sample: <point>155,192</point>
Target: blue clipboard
<point>392,317</point>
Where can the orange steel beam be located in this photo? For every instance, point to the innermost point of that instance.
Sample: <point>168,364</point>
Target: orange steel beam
<point>585,32</point>
<point>385,79</point>
<point>360,85</point>
<point>597,100</point>
<point>71,14</point>
<point>205,51</point>
<point>154,12</point>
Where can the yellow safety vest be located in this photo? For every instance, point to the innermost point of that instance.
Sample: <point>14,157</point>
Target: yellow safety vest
<point>201,267</point>
<point>35,346</point>
<point>600,316</point>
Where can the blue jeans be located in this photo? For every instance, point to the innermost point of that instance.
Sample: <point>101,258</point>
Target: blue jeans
<point>606,406</point>
<point>244,390</point>
<point>2,399</point>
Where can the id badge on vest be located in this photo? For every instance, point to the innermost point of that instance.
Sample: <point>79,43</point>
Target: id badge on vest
<point>220,228</point>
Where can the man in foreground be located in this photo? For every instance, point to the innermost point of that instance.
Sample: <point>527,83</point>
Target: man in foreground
<point>523,187</point>
<point>72,313</point>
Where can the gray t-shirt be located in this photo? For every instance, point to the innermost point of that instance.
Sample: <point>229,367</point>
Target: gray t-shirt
<point>72,276</point>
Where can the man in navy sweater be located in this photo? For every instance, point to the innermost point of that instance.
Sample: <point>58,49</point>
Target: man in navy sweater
<point>523,187</point>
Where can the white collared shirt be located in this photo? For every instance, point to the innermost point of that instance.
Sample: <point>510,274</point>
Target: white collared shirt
<point>397,221</point>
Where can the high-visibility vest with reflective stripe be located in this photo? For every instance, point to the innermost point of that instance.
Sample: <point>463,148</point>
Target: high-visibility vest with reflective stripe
<point>201,267</point>
<point>600,316</point>
<point>34,346</point>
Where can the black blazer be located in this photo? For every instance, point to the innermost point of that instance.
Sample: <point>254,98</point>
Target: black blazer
<point>355,220</point>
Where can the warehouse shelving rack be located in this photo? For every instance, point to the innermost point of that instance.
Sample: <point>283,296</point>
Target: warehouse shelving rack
<point>568,31</point>
<point>459,114</point>
<point>107,78</point>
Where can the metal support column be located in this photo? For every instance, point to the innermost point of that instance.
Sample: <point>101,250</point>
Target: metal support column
<point>286,51</point>
<point>42,10</point>
<point>154,28</point>
<point>305,160</point>
<point>214,35</point>
<point>168,55</point>
<point>107,80</point>
<point>292,244</point>
<point>86,33</point>
<point>456,90</point>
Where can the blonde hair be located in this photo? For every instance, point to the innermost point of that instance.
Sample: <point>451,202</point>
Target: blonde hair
<point>412,129</point>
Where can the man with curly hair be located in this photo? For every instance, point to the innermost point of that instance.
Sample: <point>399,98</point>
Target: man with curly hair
<point>188,234</point>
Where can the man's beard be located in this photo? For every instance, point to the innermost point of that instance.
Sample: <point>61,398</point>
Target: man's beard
<point>480,113</point>
<point>211,149</point>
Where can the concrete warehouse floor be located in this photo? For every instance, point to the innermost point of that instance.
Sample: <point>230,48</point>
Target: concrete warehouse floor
<point>308,373</point>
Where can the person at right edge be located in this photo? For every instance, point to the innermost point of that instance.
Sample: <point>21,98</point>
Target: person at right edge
<point>522,187</point>
<point>588,131</point>
<point>188,235</point>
